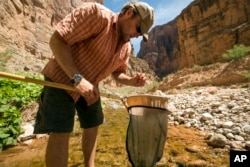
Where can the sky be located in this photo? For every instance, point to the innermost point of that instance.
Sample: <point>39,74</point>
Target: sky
<point>165,11</point>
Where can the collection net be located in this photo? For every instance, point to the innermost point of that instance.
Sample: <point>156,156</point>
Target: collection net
<point>147,130</point>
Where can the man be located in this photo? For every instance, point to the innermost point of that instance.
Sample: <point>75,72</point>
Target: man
<point>89,44</point>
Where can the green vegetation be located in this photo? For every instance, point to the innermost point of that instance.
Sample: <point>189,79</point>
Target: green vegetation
<point>247,76</point>
<point>237,52</point>
<point>14,95</point>
<point>153,85</point>
<point>4,57</point>
<point>196,66</point>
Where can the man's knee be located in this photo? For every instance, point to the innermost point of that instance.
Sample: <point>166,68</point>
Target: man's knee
<point>59,137</point>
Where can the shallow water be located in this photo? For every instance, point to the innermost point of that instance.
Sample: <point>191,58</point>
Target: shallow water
<point>111,151</point>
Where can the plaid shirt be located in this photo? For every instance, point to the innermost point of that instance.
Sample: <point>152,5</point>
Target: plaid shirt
<point>91,33</point>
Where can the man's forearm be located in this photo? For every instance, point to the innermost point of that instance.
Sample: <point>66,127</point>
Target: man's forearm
<point>138,80</point>
<point>122,78</point>
<point>62,54</point>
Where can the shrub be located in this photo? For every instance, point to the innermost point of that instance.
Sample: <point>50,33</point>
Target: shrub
<point>5,56</point>
<point>237,52</point>
<point>247,75</point>
<point>14,95</point>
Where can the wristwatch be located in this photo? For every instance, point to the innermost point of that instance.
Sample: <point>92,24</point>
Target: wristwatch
<point>76,79</point>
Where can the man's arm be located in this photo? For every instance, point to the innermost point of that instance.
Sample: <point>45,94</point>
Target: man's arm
<point>62,54</point>
<point>137,80</point>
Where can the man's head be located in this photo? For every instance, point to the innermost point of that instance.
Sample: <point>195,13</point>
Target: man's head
<point>146,14</point>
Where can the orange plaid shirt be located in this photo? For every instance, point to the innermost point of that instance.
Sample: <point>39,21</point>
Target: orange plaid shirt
<point>91,33</point>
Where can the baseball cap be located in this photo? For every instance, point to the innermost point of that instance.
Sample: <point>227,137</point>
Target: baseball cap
<point>146,13</point>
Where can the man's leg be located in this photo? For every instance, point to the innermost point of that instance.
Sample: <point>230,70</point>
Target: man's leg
<point>89,143</point>
<point>90,118</point>
<point>57,150</point>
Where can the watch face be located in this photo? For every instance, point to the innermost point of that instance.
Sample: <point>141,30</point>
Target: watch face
<point>77,78</point>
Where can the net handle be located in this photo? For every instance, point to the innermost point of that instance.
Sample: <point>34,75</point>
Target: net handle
<point>50,84</point>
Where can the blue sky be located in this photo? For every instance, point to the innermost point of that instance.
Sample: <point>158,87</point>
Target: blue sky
<point>165,11</point>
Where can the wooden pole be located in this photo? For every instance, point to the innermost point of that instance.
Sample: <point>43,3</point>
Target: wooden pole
<point>50,84</point>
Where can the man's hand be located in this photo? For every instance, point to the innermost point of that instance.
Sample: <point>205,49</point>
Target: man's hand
<point>139,79</point>
<point>87,90</point>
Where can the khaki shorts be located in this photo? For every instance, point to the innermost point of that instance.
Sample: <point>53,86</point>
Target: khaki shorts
<point>57,109</point>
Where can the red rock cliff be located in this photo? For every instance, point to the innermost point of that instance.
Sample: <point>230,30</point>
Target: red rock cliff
<point>25,29</point>
<point>161,49</point>
<point>207,28</point>
<point>204,31</point>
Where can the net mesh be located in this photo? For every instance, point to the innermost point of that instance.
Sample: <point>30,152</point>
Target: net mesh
<point>147,132</point>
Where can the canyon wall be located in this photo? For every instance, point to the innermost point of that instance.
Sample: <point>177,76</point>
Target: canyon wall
<point>25,29</point>
<point>207,28</point>
<point>198,36</point>
<point>160,51</point>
